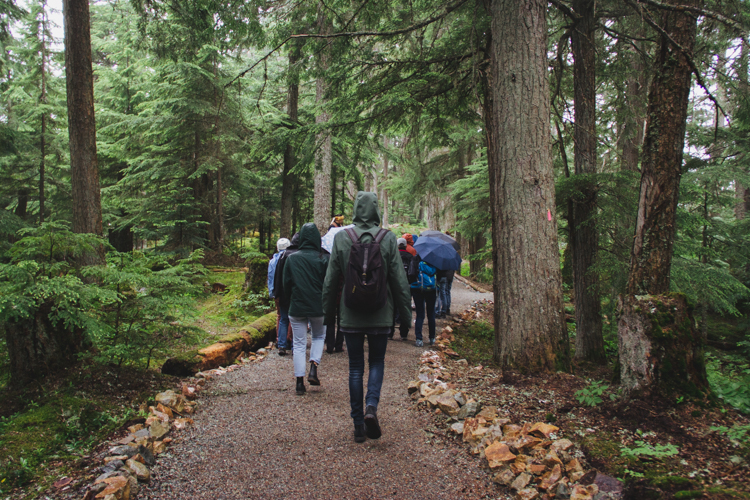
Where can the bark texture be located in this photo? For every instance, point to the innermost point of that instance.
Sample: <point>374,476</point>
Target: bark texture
<point>661,164</point>
<point>87,206</point>
<point>660,348</point>
<point>530,332</point>
<point>584,233</point>
<point>36,347</point>
<point>287,178</point>
<point>324,152</point>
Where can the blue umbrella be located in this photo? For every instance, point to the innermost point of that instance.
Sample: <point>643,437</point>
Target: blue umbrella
<point>438,253</point>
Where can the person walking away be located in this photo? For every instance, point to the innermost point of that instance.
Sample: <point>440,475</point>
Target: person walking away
<point>303,284</point>
<point>445,283</point>
<point>357,319</point>
<point>406,259</point>
<point>282,324</point>
<point>423,292</point>
<point>278,280</point>
<point>334,337</point>
<point>409,243</point>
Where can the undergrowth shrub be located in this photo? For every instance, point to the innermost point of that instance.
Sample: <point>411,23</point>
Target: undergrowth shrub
<point>130,308</point>
<point>732,384</point>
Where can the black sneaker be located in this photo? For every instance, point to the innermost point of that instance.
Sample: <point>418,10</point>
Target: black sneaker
<point>359,433</point>
<point>282,351</point>
<point>371,423</point>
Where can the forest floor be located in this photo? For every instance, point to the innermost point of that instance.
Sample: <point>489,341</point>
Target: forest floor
<point>254,438</point>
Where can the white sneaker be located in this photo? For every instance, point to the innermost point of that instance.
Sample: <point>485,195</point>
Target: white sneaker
<point>419,343</point>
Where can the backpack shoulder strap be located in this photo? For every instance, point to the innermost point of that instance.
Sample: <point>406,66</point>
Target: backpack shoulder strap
<point>352,234</point>
<point>381,234</point>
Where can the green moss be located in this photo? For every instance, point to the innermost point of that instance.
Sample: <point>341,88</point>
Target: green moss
<point>188,356</point>
<point>60,428</point>
<point>231,338</point>
<point>673,482</point>
<point>264,323</point>
<point>688,494</point>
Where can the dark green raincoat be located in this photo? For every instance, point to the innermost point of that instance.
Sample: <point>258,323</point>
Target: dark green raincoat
<point>304,272</point>
<point>366,220</point>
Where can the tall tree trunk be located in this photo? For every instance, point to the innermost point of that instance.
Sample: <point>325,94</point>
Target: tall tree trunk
<point>634,116</point>
<point>585,238</point>
<point>742,193</point>
<point>43,100</point>
<point>219,211</point>
<point>384,197</point>
<point>660,349</point>
<point>87,206</point>
<point>287,178</point>
<point>651,260</point>
<point>324,152</point>
<point>530,331</point>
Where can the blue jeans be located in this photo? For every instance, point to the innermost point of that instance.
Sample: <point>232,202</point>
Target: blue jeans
<point>355,346</point>
<point>445,295</point>
<point>424,299</point>
<point>282,325</point>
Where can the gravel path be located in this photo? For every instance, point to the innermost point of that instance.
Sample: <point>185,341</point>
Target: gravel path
<point>254,438</point>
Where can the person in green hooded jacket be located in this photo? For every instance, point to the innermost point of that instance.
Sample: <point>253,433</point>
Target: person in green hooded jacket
<point>304,272</point>
<point>375,324</point>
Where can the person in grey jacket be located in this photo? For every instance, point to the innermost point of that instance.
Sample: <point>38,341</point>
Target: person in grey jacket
<point>375,324</point>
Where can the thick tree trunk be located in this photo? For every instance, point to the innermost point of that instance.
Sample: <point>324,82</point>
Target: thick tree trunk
<point>324,151</point>
<point>634,116</point>
<point>43,100</point>
<point>651,260</point>
<point>87,206</point>
<point>287,178</point>
<point>530,332</point>
<point>742,193</point>
<point>384,197</point>
<point>37,347</point>
<point>660,348</point>
<point>585,238</point>
<point>658,343</point>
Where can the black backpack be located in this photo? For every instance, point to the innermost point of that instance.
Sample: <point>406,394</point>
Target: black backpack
<point>364,282</point>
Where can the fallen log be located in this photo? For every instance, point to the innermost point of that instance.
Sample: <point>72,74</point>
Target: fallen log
<point>226,350</point>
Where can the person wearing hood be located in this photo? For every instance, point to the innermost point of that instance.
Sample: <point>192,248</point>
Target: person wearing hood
<point>303,284</point>
<point>284,342</point>
<point>375,324</point>
<point>282,321</point>
<point>410,243</point>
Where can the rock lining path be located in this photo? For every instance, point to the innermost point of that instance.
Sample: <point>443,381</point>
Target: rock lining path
<point>254,438</point>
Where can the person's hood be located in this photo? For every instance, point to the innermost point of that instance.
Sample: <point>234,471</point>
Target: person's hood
<point>309,237</point>
<point>366,213</point>
<point>295,242</point>
<point>409,239</point>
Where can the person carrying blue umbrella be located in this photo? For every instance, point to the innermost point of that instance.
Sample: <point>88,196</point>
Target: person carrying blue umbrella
<point>433,254</point>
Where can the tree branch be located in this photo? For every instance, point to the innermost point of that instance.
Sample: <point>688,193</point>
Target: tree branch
<point>688,57</point>
<point>697,10</point>
<point>413,27</point>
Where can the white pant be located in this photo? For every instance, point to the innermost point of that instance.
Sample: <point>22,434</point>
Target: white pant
<point>299,330</point>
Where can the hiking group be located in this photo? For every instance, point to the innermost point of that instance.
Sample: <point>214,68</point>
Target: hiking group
<point>357,283</point>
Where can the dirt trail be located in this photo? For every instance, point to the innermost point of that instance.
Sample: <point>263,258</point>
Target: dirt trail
<point>254,438</point>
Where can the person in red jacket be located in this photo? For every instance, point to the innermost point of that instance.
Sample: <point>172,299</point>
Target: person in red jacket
<point>409,244</point>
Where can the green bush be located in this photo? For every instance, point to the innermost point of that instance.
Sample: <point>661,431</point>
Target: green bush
<point>130,308</point>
